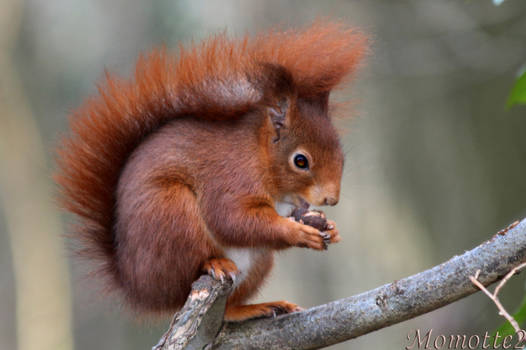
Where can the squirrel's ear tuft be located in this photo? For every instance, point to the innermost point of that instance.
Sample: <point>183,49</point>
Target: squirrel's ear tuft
<point>277,80</point>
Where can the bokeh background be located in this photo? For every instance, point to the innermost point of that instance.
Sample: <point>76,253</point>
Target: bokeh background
<point>435,162</point>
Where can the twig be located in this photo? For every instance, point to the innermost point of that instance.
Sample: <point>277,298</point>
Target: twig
<point>354,316</point>
<point>494,297</point>
<point>507,277</point>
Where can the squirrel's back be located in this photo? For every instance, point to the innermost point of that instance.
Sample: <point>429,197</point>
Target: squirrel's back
<point>219,79</point>
<point>162,237</point>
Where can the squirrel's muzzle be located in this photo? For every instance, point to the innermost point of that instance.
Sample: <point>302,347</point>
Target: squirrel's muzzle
<point>331,200</point>
<point>324,195</point>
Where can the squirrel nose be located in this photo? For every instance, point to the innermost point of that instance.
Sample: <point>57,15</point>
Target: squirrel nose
<point>331,201</point>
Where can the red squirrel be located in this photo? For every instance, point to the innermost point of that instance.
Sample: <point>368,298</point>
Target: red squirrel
<point>194,164</point>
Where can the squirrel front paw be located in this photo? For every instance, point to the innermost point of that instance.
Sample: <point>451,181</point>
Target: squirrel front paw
<point>305,236</point>
<point>312,219</point>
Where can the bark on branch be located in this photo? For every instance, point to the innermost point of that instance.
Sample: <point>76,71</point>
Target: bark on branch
<point>350,317</point>
<point>196,325</point>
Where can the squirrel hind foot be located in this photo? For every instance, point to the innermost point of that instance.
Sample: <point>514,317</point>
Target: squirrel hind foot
<point>221,268</point>
<point>238,313</point>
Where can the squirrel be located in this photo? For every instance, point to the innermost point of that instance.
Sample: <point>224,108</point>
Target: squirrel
<point>194,165</point>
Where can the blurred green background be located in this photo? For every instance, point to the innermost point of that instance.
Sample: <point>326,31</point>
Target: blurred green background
<point>435,162</point>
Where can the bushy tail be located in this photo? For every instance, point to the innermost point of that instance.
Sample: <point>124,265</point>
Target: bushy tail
<point>217,79</point>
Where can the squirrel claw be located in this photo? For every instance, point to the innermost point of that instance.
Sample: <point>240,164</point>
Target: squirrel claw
<point>326,239</point>
<point>220,269</point>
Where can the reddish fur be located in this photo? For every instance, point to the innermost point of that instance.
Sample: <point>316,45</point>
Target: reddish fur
<point>168,169</point>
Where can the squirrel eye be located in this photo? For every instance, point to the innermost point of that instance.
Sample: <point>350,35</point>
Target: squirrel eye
<point>301,161</point>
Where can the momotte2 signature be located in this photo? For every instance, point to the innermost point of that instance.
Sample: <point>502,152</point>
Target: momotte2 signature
<point>463,341</point>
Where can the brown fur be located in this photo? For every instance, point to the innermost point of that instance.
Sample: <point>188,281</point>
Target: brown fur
<point>168,170</point>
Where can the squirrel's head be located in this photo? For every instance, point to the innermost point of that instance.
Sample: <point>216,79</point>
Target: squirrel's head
<point>305,154</point>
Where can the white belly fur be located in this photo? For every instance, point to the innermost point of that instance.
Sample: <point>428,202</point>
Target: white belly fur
<point>284,209</point>
<point>243,258</point>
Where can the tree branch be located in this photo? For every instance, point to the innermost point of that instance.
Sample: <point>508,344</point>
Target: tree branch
<point>201,317</point>
<point>354,316</point>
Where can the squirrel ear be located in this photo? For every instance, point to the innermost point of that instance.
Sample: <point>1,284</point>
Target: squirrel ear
<point>318,103</point>
<point>278,116</point>
<point>323,101</point>
<point>278,86</point>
